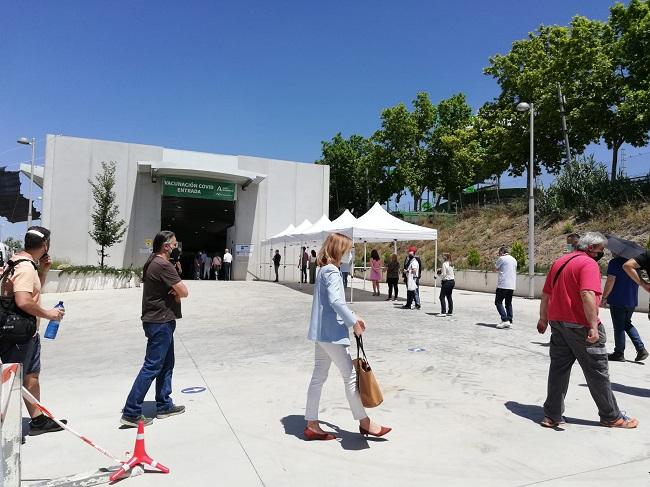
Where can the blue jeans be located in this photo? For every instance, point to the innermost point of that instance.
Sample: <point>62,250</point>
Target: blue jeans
<point>159,365</point>
<point>344,276</point>
<point>501,294</point>
<point>622,320</point>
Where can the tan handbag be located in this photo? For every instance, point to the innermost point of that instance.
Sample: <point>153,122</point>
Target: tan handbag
<point>369,390</point>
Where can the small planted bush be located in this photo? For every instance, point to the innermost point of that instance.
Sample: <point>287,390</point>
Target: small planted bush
<point>473,259</point>
<point>519,253</point>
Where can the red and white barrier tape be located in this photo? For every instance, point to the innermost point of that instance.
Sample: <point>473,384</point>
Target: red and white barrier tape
<point>32,400</point>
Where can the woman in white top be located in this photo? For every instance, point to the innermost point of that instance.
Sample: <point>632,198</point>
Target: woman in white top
<point>446,273</point>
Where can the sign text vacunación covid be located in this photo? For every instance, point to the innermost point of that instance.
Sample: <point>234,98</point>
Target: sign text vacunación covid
<point>198,188</point>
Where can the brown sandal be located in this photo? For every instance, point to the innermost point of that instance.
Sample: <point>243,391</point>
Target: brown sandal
<point>550,423</point>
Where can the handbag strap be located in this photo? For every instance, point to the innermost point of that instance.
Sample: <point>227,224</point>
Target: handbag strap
<point>359,339</point>
<point>557,274</point>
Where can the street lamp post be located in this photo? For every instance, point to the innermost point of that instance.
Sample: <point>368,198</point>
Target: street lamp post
<point>529,107</point>
<point>32,142</point>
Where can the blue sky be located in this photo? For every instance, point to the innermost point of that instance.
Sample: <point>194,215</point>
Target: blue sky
<point>271,79</point>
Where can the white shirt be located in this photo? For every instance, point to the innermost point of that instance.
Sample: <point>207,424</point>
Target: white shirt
<point>227,257</point>
<point>447,272</point>
<point>507,272</point>
<point>414,271</point>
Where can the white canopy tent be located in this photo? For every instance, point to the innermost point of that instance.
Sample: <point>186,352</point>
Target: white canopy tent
<point>279,238</point>
<point>376,225</point>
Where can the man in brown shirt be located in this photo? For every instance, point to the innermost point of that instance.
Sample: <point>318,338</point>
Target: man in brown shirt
<point>162,290</point>
<point>24,283</point>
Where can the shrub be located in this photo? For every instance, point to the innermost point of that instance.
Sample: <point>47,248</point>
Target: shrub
<point>583,188</point>
<point>519,254</point>
<point>473,258</point>
<point>91,269</point>
<point>568,228</point>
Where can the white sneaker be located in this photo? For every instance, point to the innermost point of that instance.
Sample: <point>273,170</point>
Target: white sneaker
<point>442,314</point>
<point>503,324</point>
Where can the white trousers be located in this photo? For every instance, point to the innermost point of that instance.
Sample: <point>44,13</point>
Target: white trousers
<point>325,354</point>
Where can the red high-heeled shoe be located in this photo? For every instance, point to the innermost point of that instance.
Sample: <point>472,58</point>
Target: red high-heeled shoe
<point>312,435</point>
<point>384,430</point>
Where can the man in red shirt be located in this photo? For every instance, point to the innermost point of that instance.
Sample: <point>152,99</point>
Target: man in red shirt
<point>570,302</point>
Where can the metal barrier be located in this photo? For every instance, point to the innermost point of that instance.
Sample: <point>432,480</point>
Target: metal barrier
<point>11,416</point>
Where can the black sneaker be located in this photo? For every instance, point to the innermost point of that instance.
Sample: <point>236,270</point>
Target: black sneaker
<point>641,355</point>
<point>46,425</point>
<point>405,307</point>
<point>134,420</point>
<point>616,357</point>
<point>170,412</point>
<point>417,306</point>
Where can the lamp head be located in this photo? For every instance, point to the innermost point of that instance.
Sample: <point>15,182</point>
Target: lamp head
<point>24,141</point>
<point>523,107</point>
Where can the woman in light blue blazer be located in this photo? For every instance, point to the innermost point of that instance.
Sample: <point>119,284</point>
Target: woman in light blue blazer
<point>329,329</point>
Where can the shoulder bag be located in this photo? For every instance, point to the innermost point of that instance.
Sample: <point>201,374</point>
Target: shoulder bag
<point>16,326</point>
<point>369,390</point>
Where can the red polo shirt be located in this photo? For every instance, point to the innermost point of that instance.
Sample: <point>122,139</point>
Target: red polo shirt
<point>580,274</point>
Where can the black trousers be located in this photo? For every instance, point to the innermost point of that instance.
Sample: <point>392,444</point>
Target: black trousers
<point>392,284</point>
<point>303,274</point>
<point>276,267</point>
<point>501,294</point>
<point>446,288</point>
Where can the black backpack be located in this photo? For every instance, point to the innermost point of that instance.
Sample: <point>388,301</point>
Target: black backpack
<point>16,326</point>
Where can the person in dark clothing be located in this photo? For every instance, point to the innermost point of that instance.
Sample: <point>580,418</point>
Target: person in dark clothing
<point>303,263</point>
<point>276,263</point>
<point>392,277</point>
<point>621,295</point>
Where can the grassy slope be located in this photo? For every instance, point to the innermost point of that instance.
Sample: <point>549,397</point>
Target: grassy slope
<point>487,228</point>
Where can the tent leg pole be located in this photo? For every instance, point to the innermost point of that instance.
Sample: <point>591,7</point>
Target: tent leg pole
<point>435,266</point>
<point>365,264</point>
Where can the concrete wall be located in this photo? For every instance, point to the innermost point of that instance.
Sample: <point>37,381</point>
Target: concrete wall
<point>486,282</point>
<point>67,198</point>
<point>290,193</point>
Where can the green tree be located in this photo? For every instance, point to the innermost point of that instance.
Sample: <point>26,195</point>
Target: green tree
<point>455,154</point>
<point>108,229</point>
<point>610,85</point>
<point>13,244</point>
<point>356,176</point>
<point>402,144</point>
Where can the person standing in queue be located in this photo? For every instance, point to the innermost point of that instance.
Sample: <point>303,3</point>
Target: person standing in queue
<point>329,329</point>
<point>446,273</point>
<point>162,291</point>
<point>227,265</point>
<point>276,263</point>
<point>392,277</point>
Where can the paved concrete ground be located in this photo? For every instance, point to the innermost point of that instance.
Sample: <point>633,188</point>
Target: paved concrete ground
<point>464,411</point>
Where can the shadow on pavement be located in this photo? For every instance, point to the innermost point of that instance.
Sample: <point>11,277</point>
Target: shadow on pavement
<point>535,413</point>
<point>359,294</point>
<point>487,325</point>
<point>632,391</point>
<point>294,425</point>
<point>542,344</point>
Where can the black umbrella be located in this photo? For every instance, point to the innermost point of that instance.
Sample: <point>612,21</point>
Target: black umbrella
<point>624,248</point>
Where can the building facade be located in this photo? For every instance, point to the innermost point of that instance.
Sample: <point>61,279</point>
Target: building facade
<point>211,202</point>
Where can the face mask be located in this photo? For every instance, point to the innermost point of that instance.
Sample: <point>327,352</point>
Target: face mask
<point>569,248</point>
<point>598,256</point>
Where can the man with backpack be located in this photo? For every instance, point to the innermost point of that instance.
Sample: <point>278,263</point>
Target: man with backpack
<point>20,287</point>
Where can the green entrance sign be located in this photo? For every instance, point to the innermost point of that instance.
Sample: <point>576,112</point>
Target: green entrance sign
<point>198,188</point>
